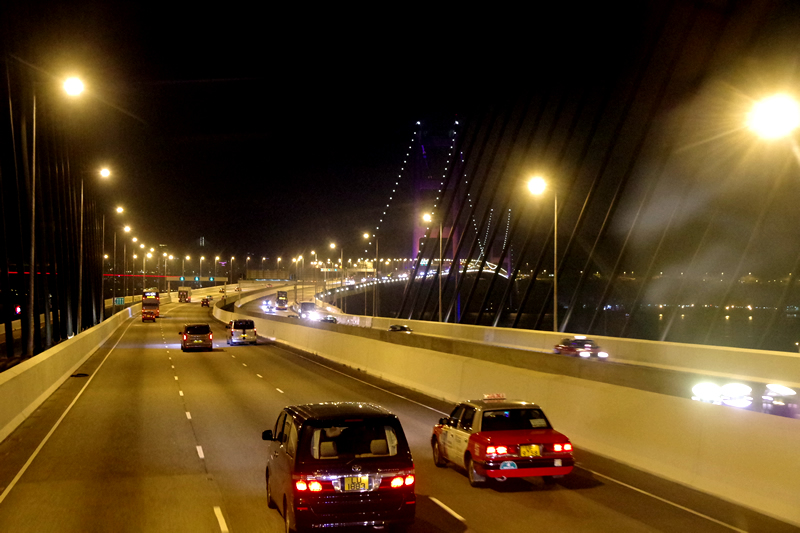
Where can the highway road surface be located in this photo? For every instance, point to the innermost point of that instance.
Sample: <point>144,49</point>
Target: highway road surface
<point>147,438</point>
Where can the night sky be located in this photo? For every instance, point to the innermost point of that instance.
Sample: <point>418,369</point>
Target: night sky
<point>275,130</point>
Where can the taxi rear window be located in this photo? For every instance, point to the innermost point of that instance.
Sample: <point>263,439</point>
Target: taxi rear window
<point>243,324</point>
<point>350,440</point>
<point>514,419</point>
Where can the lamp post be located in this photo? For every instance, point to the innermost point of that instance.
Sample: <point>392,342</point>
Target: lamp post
<point>537,186</point>
<point>246,265</point>
<point>216,260</point>
<point>144,270</point>
<point>231,270</point>
<point>278,265</point>
<point>201,271</point>
<point>183,267</point>
<point>428,218</point>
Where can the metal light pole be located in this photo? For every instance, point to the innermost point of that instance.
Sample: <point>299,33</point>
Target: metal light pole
<point>201,271</point>
<point>428,218</point>
<point>216,260</point>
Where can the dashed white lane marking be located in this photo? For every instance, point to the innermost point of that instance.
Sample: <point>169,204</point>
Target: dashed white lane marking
<point>446,508</point>
<point>200,452</point>
<point>244,364</point>
<point>259,375</point>
<point>173,366</point>
<point>176,378</point>
<point>701,515</point>
<point>233,356</point>
<point>180,392</point>
<point>277,389</point>
<point>223,527</point>
<point>188,415</point>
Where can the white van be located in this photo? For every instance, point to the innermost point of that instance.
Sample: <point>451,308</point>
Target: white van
<point>241,332</point>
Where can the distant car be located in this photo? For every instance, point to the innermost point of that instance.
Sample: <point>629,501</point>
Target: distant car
<point>148,314</point>
<point>222,290</point>
<point>204,302</point>
<point>400,328</point>
<point>329,319</point>
<point>210,297</point>
<point>500,439</point>
<point>237,289</point>
<point>241,332</point>
<point>580,346</point>
<point>196,337</point>
<point>342,463</point>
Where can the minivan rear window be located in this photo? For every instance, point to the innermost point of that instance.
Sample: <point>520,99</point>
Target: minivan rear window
<point>199,329</point>
<point>353,439</point>
<point>243,324</point>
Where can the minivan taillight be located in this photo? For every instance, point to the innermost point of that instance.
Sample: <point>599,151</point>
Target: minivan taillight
<point>211,336</point>
<point>184,336</point>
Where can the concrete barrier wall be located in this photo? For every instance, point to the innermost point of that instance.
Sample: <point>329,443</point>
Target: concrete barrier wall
<point>753,365</point>
<point>741,456</point>
<point>24,387</point>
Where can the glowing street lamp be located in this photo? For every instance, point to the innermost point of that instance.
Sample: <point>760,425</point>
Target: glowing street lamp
<point>201,269</point>
<point>216,260</point>
<point>774,117</point>
<point>537,185</point>
<point>73,86</point>
<point>428,218</point>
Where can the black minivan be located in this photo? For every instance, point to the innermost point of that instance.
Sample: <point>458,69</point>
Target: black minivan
<point>340,464</point>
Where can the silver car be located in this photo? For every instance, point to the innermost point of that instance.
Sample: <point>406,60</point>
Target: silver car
<point>196,337</point>
<point>241,332</point>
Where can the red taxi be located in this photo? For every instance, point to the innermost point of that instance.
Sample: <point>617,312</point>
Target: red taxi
<point>500,439</point>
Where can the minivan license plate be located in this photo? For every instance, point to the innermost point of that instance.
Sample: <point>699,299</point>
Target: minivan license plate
<point>354,483</point>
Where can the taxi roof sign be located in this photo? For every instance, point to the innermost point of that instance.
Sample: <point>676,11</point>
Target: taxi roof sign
<point>495,396</point>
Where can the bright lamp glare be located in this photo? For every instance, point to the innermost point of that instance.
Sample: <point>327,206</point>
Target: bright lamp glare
<point>537,185</point>
<point>774,117</point>
<point>706,392</point>
<point>105,173</point>
<point>73,86</point>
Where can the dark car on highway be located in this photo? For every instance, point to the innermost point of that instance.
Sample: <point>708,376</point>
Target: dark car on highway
<point>196,337</point>
<point>339,465</point>
<point>580,346</point>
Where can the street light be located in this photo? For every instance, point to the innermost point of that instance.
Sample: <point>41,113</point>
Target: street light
<point>775,116</point>
<point>428,218</point>
<point>201,270</point>
<point>246,263</point>
<point>183,267</point>
<point>216,260</point>
<point>231,270</point>
<point>144,270</point>
<point>537,186</point>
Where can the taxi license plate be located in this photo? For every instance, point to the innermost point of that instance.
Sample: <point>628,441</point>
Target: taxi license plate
<point>530,450</point>
<point>355,483</point>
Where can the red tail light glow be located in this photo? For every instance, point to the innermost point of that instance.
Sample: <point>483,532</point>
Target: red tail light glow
<point>397,482</point>
<point>562,447</point>
<point>568,447</point>
<point>301,485</point>
<point>211,336</point>
<point>315,486</point>
<point>409,479</point>
<point>496,450</point>
<point>184,336</point>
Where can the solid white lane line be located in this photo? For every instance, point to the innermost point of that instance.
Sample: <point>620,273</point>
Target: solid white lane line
<point>659,498</point>
<point>188,415</point>
<point>277,389</point>
<point>446,508</point>
<point>22,470</point>
<point>223,527</point>
<point>375,386</point>
<point>259,375</point>
<point>200,452</point>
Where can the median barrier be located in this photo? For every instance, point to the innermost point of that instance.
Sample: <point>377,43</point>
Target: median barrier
<point>24,387</point>
<point>734,363</point>
<point>740,456</point>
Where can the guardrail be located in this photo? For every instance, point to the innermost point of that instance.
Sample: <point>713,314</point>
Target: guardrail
<point>741,456</point>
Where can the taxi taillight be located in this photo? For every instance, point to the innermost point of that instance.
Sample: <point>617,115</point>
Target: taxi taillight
<point>562,447</point>
<point>497,450</point>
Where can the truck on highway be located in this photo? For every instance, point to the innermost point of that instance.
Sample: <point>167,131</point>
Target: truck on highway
<point>151,302</point>
<point>282,300</point>
<point>307,310</point>
<point>184,294</point>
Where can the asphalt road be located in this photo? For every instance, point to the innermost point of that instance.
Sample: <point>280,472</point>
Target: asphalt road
<point>154,439</point>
